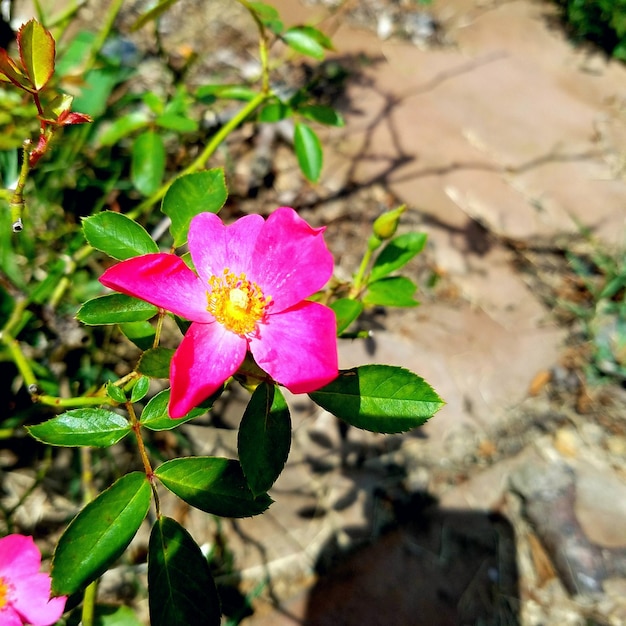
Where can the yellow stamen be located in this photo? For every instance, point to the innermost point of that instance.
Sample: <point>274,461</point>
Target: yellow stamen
<point>236,302</point>
<point>4,592</point>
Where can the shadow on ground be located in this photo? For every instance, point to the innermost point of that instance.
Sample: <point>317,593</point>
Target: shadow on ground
<point>434,567</point>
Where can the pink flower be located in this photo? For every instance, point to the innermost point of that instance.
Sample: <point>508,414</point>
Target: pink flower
<point>249,293</point>
<point>24,591</point>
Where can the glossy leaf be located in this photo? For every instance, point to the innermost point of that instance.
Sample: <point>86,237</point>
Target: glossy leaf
<point>82,427</point>
<point>264,437</point>
<point>211,484</point>
<point>142,334</point>
<point>307,40</point>
<point>192,194</point>
<point>100,533</point>
<point>379,398</point>
<point>117,235</point>
<point>275,112</point>
<point>115,308</point>
<point>155,416</point>
<point>140,389</point>
<point>268,15</point>
<point>116,393</point>
<point>181,590</point>
<point>308,151</point>
<point>397,253</point>
<point>156,362</point>
<point>347,311</point>
<point>391,291</point>
<point>37,50</point>
<point>322,114</point>
<point>12,72</point>
<point>177,123</point>
<point>148,162</point>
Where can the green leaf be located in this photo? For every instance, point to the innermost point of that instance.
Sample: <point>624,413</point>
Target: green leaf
<point>322,114</point>
<point>155,416</point>
<point>12,72</point>
<point>182,591</point>
<point>391,291</point>
<point>140,333</point>
<point>275,112</point>
<point>213,485</point>
<point>192,194</point>
<point>115,393</point>
<point>307,40</point>
<point>264,437</point>
<point>140,389</point>
<point>177,123</point>
<point>100,533</point>
<point>268,15</point>
<point>347,311</point>
<point>122,127</point>
<point>115,308</point>
<point>380,398</point>
<point>156,362</point>
<point>148,162</point>
<point>82,427</point>
<point>117,235</point>
<point>308,151</point>
<point>397,253</point>
<point>37,51</point>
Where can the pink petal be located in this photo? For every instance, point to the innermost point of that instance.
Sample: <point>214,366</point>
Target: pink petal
<point>291,260</point>
<point>31,599</point>
<point>207,356</point>
<point>298,347</point>
<point>215,246</point>
<point>19,557</point>
<point>163,280</point>
<point>10,617</point>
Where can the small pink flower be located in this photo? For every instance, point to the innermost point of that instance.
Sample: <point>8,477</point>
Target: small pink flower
<point>24,591</point>
<point>249,293</point>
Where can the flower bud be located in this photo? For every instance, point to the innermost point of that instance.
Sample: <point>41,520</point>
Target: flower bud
<point>385,225</point>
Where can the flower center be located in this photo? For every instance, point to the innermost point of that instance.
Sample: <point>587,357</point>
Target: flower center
<point>4,592</point>
<point>235,302</point>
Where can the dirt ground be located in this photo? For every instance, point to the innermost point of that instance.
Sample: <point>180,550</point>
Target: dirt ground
<point>509,506</point>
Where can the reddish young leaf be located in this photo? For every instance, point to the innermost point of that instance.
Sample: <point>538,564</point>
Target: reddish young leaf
<point>12,73</point>
<point>37,50</point>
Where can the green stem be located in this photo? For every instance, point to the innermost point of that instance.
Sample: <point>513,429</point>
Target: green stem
<point>16,204</point>
<point>66,403</point>
<point>104,33</point>
<point>357,285</point>
<point>89,493</point>
<point>205,155</point>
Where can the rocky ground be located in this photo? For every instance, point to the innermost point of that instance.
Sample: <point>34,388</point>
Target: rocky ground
<point>509,507</point>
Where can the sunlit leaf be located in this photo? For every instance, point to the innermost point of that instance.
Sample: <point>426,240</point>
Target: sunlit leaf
<point>307,40</point>
<point>379,398</point>
<point>115,308</point>
<point>142,334</point>
<point>264,437</point>
<point>192,194</point>
<point>211,484</point>
<point>181,590</point>
<point>322,114</point>
<point>140,389</point>
<point>82,427</point>
<point>347,311</point>
<point>391,291</point>
<point>117,235</point>
<point>100,533</point>
<point>37,49</point>
<point>397,253</point>
<point>155,416</point>
<point>308,151</point>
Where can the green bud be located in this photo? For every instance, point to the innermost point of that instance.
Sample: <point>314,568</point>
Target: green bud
<point>386,225</point>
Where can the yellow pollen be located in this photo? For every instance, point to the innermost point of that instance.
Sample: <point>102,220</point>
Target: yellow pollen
<point>4,590</point>
<point>236,302</point>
